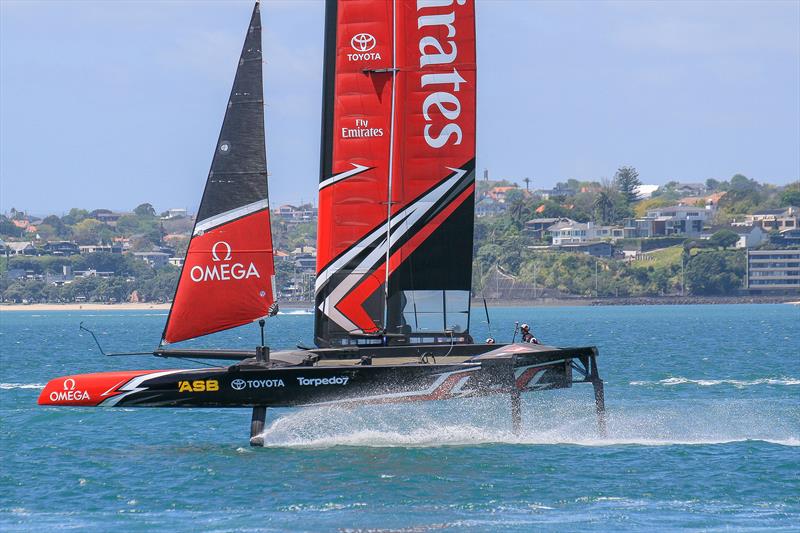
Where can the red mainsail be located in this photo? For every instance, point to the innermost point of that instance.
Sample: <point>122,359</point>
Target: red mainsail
<point>227,278</point>
<point>397,169</point>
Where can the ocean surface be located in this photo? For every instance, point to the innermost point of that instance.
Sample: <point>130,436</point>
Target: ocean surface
<point>703,432</point>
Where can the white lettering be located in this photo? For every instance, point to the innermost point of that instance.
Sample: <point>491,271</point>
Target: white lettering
<point>441,79</point>
<point>434,52</point>
<point>316,382</point>
<point>441,58</point>
<point>444,135</point>
<point>264,383</point>
<point>350,133</point>
<point>440,100</point>
<point>69,396</point>
<point>423,4</point>
<point>439,20</point>
<point>366,56</point>
<point>223,272</point>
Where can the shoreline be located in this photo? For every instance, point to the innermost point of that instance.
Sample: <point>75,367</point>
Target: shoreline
<point>544,302</point>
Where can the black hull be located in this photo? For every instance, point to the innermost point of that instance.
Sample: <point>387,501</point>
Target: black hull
<point>252,383</point>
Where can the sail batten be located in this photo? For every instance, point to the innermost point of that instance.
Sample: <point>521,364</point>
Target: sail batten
<point>227,279</point>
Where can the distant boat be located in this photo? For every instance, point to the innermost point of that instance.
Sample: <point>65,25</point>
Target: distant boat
<point>394,253</point>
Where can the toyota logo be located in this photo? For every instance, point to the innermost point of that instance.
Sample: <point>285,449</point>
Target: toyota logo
<point>362,42</point>
<point>238,384</point>
<point>215,254</point>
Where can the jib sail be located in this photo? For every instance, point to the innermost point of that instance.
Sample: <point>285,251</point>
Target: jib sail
<point>396,197</point>
<point>227,278</point>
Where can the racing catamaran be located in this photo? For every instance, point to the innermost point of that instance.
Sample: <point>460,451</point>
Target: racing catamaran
<point>394,255</point>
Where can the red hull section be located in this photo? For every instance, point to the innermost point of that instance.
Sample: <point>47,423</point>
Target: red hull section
<point>89,389</point>
<point>227,280</point>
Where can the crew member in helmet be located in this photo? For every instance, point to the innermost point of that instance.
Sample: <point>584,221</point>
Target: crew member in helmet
<point>527,336</point>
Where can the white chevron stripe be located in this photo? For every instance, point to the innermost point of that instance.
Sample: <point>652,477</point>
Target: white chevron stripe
<point>400,225</point>
<point>217,220</point>
<point>357,169</point>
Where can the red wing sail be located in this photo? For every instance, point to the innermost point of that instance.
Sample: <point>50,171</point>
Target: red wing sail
<point>354,178</point>
<point>397,179</point>
<point>227,278</point>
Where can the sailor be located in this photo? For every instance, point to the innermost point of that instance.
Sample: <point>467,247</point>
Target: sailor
<point>527,336</point>
<point>490,340</point>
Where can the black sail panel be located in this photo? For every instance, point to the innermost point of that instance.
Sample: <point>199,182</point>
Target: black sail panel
<point>238,170</point>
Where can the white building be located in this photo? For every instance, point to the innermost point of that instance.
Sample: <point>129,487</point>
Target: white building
<point>578,233</point>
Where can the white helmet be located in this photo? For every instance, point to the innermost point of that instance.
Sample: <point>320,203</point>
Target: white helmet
<point>525,326</point>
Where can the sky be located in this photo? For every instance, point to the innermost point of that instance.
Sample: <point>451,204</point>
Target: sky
<point>112,104</point>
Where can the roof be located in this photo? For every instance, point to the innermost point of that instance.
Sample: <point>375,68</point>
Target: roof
<point>571,224</point>
<point>19,245</point>
<point>778,211</point>
<point>739,230</point>
<point>551,220</point>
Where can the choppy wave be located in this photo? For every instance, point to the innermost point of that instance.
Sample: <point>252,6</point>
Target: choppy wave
<point>296,312</point>
<point>712,382</point>
<point>566,424</point>
<point>8,386</point>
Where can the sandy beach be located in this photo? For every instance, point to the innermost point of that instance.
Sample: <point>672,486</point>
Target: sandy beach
<point>84,307</point>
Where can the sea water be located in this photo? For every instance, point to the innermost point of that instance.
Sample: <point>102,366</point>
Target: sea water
<point>703,432</point>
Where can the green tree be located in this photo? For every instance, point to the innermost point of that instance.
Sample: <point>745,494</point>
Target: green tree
<point>8,229</point>
<point>791,195</point>
<point>742,183</point>
<point>88,231</point>
<point>627,182</point>
<point>58,225</point>
<point>604,207</point>
<point>724,238</point>
<point>715,272</point>
<point>74,216</point>
<point>145,210</point>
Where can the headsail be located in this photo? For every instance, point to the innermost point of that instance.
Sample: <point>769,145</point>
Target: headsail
<point>228,275</point>
<point>396,202</point>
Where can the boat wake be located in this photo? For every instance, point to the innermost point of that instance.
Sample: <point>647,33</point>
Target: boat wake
<point>296,312</point>
<point>570,423</point>
<point>713,382</point>
<point>10,386</point>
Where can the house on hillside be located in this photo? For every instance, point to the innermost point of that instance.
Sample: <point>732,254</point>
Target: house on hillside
<point>108,217</point>
<point>292,214</point>
<point>21,248</point>
<point>691,189</point>
<point>61,248</point>
<point>537,227</point>
<point>175,212</point>
<point>154,259</point>
<point>578,233</point>
<point>489,207</point>
<point>499,194</point>
<point>666,221</point>
<point>775,219</point>
<point>555,192</point>
<point>749,236</point>
<point>115,248</point>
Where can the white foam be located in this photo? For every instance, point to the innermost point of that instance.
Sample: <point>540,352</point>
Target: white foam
<point>567,423</point>
<point>8,386</point>
<point>713,382</point>
<point>295,312</point>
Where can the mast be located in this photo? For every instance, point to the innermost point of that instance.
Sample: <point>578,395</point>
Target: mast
<point>227,279</point>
